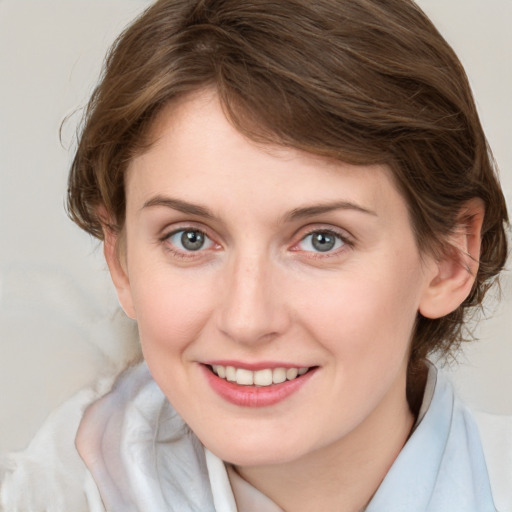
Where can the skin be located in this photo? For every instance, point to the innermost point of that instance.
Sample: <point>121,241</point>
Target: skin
<point>259,290</point>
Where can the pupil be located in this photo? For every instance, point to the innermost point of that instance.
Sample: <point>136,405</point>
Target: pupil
<point>192,240</point>
<point>323,242</point>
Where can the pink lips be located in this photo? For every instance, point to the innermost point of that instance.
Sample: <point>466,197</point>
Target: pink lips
<point>253,396</point>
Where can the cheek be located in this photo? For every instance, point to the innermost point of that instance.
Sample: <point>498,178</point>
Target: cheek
<point>171,309</point>
<point>365,314</point>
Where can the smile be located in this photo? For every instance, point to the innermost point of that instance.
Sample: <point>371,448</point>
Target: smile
<point>256,388</point>
<point>264,377</point>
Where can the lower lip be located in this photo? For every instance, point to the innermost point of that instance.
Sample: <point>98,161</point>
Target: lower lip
<point>252,396</point>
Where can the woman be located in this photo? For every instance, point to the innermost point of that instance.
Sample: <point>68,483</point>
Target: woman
<point>298,206</point>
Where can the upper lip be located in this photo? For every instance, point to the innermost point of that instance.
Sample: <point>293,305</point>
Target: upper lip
<point>255,366</point>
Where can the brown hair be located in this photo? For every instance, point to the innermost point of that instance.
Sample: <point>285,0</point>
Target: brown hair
<point>362,81</point>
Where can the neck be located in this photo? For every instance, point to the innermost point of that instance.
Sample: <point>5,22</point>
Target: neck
<point>343,476</point>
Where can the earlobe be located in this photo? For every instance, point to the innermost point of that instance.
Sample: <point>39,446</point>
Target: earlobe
<point>453,275</point>
<point>118,271</point>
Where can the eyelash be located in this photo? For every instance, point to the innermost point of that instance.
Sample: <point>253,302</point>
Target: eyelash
<point>191,254</point>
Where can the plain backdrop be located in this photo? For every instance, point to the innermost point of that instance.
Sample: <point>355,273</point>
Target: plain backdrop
<point>60,324</point>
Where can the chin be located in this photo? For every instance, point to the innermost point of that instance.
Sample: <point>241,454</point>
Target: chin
<point>242,452</point>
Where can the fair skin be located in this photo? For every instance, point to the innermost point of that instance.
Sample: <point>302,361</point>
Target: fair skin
<point>269,258</point>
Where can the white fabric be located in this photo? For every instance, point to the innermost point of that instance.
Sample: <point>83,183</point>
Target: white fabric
<point>49,476</point>
<point>223,497</point>
<point>496,435</point>
<point>141,454</point>
<point>143,457</point>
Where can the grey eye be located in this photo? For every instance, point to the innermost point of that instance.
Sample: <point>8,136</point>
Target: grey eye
<point>321,241</point>
<point>190,240</point>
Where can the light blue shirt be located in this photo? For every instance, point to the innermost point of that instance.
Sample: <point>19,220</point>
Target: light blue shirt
<point>442,466</point>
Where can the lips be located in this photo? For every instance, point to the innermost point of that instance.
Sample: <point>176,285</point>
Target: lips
<point>260,387</point>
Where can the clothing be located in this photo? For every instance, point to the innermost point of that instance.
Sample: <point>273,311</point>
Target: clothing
<point>140,456</point>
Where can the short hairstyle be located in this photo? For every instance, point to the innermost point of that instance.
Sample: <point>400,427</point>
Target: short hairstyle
<point>361,81</point>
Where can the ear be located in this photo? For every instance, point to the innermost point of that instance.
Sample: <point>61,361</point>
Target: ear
<point>455,272</point>
<point>116,261</point>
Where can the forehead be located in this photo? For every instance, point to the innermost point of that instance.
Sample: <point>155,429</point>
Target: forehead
<point>197,153</point>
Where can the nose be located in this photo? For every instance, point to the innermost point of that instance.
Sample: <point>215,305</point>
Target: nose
<point>252,307</point>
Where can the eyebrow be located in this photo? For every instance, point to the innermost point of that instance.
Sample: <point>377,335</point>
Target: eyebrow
<point>295,214</point>
<point>319,209</point>
<point>179,205</point>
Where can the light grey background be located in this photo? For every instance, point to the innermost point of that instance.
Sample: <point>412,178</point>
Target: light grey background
<point>60,325</point>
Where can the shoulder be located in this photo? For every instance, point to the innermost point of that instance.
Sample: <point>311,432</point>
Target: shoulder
<point>49,475</point>
<point>494,434</point>
<point>481,443</point>
<point>496,437</point>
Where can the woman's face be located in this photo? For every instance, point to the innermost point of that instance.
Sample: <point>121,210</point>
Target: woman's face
<point>254,264</point>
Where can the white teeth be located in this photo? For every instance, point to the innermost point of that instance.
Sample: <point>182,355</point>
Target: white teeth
<point>278,375</point>
<point>264,377</point>
<point>291,373</point>
<point>244,377</point>
<point>230,373</point>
